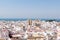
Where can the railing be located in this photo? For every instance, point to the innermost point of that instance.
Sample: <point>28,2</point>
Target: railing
<point>2,39</point>
<point>35,38</point>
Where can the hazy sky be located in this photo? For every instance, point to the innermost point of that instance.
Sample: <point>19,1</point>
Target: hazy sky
<point>29,8</point>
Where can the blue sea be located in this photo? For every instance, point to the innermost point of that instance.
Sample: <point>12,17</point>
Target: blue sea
<point>23,19</point>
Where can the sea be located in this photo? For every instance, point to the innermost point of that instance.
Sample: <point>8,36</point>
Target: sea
<point>23,19</point>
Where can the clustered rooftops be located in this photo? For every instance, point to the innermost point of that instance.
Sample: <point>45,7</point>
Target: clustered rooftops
<point>29,28</point>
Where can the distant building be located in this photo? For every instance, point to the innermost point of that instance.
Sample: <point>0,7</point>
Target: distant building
<point>29,22</point>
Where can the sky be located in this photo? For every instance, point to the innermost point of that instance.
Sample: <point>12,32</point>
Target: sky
<point>29,8</point>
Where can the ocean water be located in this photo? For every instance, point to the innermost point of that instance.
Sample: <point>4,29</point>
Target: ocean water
<point>12,19</point>
<point>23,19</point>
